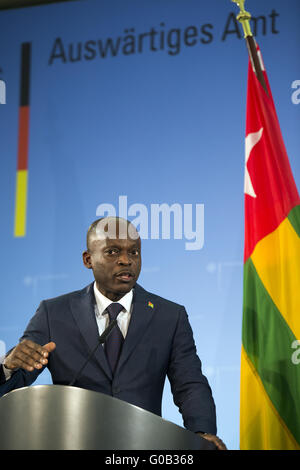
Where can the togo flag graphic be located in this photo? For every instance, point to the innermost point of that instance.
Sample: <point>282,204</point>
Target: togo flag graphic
<point>270,379</point>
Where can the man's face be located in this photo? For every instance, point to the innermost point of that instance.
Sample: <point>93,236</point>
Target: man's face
<point>116,264</point>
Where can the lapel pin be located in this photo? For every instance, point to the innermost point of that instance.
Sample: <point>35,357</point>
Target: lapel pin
<point>150,304</point>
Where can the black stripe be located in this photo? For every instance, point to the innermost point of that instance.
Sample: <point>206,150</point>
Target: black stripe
<point>25,74</point>
<point>10,4</point>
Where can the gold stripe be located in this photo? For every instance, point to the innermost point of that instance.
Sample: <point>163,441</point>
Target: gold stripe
<point>261,427</point>
<point>21,203</point>
<point>277,261</point>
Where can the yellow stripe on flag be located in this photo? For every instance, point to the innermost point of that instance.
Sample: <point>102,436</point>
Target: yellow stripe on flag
<point>277,261</point>
<point>260,425</point>
<point>21,203</point>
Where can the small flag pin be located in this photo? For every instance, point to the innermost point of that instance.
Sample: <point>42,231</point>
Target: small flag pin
<point>150,304</point>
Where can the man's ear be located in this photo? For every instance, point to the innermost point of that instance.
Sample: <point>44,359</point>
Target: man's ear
<point>86,257</point>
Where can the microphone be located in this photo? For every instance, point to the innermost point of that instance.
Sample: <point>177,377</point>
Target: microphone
<point>102,338</point>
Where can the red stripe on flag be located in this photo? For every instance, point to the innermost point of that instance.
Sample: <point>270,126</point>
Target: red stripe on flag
<point>23,138</point>
<point>268,166</point>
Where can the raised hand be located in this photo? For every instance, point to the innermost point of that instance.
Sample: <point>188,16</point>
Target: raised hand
<point>29,355</point>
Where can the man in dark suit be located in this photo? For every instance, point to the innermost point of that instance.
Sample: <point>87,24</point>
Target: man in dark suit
<point>153,338</point>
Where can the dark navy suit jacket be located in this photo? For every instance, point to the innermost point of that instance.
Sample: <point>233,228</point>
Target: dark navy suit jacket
<point>159,343</point>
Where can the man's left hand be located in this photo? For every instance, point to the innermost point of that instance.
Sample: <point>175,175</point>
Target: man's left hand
<point>215,439</point>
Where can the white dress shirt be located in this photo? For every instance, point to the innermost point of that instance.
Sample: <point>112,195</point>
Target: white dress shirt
<point>102,317</point>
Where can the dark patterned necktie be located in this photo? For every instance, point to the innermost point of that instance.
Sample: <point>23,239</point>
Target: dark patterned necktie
<point>114,342</point>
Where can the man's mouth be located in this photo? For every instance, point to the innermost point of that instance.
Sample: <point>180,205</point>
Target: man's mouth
<point>125,276</point>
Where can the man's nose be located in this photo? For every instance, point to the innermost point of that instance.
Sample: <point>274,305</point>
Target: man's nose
<point>124,259</point>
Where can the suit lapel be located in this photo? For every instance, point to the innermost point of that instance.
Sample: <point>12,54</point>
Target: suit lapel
<point>142,314</point>
<point>83,310</point>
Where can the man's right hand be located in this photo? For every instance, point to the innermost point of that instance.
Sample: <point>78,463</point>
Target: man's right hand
<point>29,356</point>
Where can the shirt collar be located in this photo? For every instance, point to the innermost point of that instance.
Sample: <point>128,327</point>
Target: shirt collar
<point>103,302</point>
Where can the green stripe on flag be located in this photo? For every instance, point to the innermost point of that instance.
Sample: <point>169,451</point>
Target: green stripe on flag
<point>267,340</point>
<point>294,218</point>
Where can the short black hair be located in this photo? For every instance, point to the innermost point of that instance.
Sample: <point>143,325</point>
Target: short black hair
<point>91,231</point>
<point>93,228</point>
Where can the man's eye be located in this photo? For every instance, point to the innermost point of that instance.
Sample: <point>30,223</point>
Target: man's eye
<point>113,251</point>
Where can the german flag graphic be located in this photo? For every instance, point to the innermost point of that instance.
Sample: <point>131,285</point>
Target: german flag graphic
<point>23,143</point>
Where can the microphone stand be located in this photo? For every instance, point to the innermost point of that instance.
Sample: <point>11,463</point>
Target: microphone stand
<point>102,338</point>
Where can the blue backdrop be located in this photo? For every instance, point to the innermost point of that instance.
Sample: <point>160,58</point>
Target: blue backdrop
<point>145,100</point>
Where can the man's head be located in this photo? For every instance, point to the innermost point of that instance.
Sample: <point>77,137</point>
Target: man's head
<point>114,254</point>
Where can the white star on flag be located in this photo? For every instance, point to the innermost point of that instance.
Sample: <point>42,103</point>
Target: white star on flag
<point>250,142</point>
